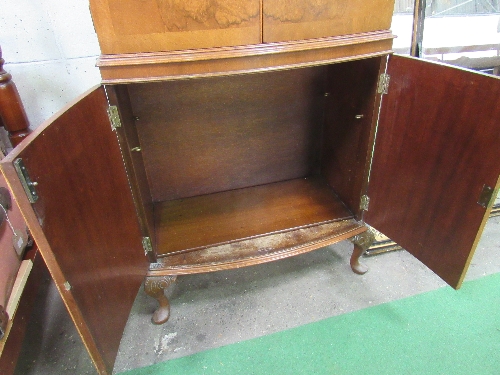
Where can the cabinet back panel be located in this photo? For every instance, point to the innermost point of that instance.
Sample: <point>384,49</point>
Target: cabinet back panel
<point>216,134</point>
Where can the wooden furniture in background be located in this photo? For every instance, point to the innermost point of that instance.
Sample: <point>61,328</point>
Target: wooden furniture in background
<point>198,159</point>
<point>20,273</point>
<point>12,114</point>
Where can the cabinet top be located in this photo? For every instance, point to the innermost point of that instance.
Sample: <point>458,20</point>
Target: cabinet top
<point>146,34</point>
<point>138,26</point>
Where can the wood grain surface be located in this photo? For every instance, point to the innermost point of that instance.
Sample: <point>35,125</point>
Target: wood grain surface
<point>307,19</point>
<point>350,112</point>
<point>147,67</point>
<point>11,345</point>
<point>203,221</point>
<point>249,252</point>
<point>85,223</point>
<point>133,161</point>
<point>437,145</point>
<point>135,26</point>
<point>205,136</point>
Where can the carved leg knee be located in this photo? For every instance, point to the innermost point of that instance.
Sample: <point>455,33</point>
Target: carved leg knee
<point>361,243</point>
<point>155,286</point>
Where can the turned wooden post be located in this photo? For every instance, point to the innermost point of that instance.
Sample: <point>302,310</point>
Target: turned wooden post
<point>12,114</point>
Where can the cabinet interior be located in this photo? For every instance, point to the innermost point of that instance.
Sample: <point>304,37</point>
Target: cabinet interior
<point>226,159</point>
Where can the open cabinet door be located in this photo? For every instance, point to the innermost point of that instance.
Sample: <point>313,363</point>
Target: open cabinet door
<point>84,221</point>
<point>437,147</point>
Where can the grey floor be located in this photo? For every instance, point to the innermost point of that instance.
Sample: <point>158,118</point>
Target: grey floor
<point>217,309</point>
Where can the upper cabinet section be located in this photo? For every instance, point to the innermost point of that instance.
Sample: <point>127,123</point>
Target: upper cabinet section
<point>306,19</point>
<point>135,26</point>
<point>153,40</point>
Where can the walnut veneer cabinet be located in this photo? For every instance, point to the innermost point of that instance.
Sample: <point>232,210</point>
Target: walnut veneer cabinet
<point>230,133</point>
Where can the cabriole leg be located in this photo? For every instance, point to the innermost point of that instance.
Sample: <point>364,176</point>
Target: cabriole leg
<point>155,286</point>
<point>361,243</point>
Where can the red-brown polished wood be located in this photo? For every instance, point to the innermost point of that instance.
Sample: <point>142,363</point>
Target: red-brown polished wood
<point>12,114</point>
<point>210,62</point>
<point>134,163</point>
<point>437,145</point>
<point>249,252</point>
<point>85,225</point>
<point>349,113</point>
<point>13,345</point>
<point>207,220</point>
<point>209,135</point>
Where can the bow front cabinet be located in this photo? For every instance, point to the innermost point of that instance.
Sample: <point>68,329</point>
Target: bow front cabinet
<point>230,133</point>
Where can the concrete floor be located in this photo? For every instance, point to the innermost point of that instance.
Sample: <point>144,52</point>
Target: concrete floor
<point>211,310</point>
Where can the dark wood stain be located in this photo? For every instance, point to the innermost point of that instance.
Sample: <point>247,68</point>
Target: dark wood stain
<point>351,91</point>
<point>134,163</point>
<point>210,135</point>
<point>437,145</point>
<point>88,217</point>
<point>273,246</point>
<point>197,222</point>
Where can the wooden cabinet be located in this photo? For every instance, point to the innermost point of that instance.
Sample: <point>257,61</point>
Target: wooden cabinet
<point>160,25</point>
<point>210,159</point>
<point>138,26</point>
<point>305,19</point>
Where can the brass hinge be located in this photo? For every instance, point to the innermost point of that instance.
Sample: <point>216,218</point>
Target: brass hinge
<point>364,203</point>
<point>28,185</point>
<point>114,117</point>
<point>383,83</point>
<point>487,196</point>
<point>147,245</point>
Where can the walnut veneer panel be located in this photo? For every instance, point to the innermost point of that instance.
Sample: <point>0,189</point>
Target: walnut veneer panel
<point>215,134</point>
<point>207,220</point>
<point>436,146</point>
<point>305,19</point>
<point>133,26</point>
<point>126,68</point>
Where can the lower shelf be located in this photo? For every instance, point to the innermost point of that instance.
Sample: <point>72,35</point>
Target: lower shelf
<point>200,222</point>
<point>254,251</point>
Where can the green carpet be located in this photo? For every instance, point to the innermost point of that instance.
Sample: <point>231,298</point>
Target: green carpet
<point>439,332</point>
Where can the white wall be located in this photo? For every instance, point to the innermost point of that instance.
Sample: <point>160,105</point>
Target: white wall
<point>50,48</point>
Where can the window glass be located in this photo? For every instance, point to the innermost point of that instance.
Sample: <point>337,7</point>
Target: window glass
<point>464,33</point>
<point>402,25</point>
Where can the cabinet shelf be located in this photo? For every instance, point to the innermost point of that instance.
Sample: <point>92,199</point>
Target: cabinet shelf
<point>246,214</point>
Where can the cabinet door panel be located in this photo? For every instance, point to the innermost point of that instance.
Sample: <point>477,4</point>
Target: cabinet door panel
<point>133,26</point>
<point>84,220</point>
<point>305,19</point>
<point>437,146</point>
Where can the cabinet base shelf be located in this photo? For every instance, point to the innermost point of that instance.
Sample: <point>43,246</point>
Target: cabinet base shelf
<point>257,250</point>
<point>206,221</point>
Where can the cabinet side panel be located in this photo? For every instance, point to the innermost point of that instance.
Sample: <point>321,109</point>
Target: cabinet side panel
<point>351,89</point>
<point>209,135</point>
<point>91,239</point>
<point>134,163</point>
<point>436,147</point>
